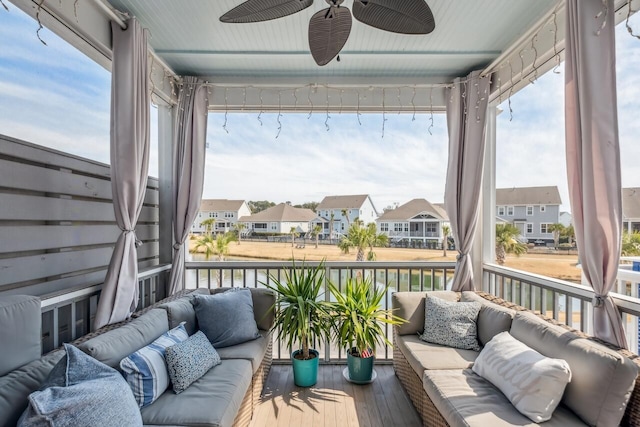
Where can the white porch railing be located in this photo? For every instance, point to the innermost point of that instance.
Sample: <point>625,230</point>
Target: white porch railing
<point>564,301</point>
<point>400,276</point>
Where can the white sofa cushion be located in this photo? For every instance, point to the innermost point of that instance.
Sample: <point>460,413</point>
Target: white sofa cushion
<point>533,383</point>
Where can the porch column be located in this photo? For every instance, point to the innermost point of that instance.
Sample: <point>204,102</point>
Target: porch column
<point>484,250</point>
<point>165,161</point>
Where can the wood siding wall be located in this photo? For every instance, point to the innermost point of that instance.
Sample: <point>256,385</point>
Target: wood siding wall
<point>57,225</point>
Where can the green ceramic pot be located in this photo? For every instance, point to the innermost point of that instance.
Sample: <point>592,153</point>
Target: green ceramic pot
<point>360,368</point>
<point>305,372</point>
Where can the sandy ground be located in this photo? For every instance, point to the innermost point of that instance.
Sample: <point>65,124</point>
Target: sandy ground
<point>551,265</point>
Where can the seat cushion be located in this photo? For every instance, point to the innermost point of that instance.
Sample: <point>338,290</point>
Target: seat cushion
<point>467,400</point>
<point>21,320</point>
<point>594,369</point>
<point>410,306</point>
<point>16,386</point>
<point>181,310</point>
<point>213,400</point>
<point>113,346</point>
<point>252,351</point>
<point>492,318</point>
<point>426,356</point>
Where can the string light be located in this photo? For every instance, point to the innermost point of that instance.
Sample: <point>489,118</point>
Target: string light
<point>510,91</point>
<point>326,121</point>
<point>226,111</point>
<point>358,110</point>
<point>341,93</point>
<point>244,98</point>
<point>279,115</point>
<point>399,101</point>
<point>295,96</point>
<point>535,58</point>
<point>310,103</point>
<point>4,5</point>
<point>259,115</point>
<point>413,105</point>
<point>40,27</point>
<point>431,110</point>
<point>629,29</point>
<point>556,54</point>
<point>384,117</point>
<point>603,13</point>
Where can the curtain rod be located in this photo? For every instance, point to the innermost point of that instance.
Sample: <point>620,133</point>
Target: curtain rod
<point>109,11</point>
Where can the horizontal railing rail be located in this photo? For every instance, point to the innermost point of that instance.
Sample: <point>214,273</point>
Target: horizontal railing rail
<point>566,302</point>
<point>70,314</point>
<point>400,276</point>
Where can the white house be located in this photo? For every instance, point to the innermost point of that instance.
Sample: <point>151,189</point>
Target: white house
<point>225,213</point>
<point>531,209</point>
<point>631,209</point>
<point>341,211</point>
<point>279,219</point>
<point>565,218</point>
<point>415,221</point>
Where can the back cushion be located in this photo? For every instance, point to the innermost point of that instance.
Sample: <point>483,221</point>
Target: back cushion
<point>113,346</point>
<point>181,310</point>
<point>263,301</point>
<point>602,379</point>
<point>492,319</point>
<point>410,306</point>
<point>21,320</point>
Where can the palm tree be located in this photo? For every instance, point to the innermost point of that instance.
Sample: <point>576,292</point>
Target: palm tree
<point>208,225</point>
<point>556,229</point>
<point>315,232</point>
<point>570,233</point>
<point>361,237</point>
<point>293,235</point>
<point>507,242</point>
<point>208,243</point>
<point>239,227</point>
<point>446,230</point>
<point>331,226</point>
<point>218,245</point>
<point>630,243</point>
<point>345,214</point>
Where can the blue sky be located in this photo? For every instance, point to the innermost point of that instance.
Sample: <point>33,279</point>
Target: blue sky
<point>57,97</point>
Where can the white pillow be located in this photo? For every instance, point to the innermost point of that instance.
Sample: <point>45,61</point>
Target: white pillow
<point>533,383</point>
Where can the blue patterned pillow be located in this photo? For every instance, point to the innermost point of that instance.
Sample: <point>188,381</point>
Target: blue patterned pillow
<point>190,360</point>
<point>146,369</point>
<point>450,323</point>
<point>81,391</point>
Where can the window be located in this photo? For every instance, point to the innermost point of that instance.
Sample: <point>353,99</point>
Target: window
<point>406,226</point>
<point>384,226</point>
<point>342,226</point>
<point>529,210</point>
<point>228,214</point>
<point>544,228</point>
<point>431,227</point>
<point>510,210</point>
<point>397,226</point>
<point>262,225</point>
<point>529,228</point>
<point>543,208</point>
<point>501,210</point>
<point>274,226</point>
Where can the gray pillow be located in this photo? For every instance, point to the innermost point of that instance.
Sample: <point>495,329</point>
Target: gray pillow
<point>227,318</point>
<point>453,324</point>
<point>82,391</point>
<point>189,360</point>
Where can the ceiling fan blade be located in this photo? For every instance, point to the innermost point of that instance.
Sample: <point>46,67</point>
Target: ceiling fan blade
<point>404,17</point>
<point>264,10</point>
<point>328,32</point>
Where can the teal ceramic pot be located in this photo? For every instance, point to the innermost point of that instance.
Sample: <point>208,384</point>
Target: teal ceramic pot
<point>305,372</point>
<point>360,368</point>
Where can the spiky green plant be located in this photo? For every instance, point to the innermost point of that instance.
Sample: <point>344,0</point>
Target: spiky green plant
<point>358,317</point>
<point>301,314</point>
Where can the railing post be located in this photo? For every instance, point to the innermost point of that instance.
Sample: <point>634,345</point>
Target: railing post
<point>327,297</point>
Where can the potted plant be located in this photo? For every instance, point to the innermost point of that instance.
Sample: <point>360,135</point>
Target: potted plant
<point>300,316</point>
<point>357,322</point>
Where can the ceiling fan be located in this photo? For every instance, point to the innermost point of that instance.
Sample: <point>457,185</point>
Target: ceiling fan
<point>330,27</point>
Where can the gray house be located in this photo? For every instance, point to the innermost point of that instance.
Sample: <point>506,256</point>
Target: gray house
<point>531,209</point>
<point>417,220</point>
<point>631,209</point>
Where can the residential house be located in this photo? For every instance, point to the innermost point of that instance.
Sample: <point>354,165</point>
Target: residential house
<point>631,209</point>
<point>279,219</point>
<point>531,209</point>
<point>341,211</point>
<point>225,213</point>
<point>415,221</point>
<point>565,218</point>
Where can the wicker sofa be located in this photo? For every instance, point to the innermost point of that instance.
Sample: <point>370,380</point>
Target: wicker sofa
<point>224,396</point>
<point>446,392</point>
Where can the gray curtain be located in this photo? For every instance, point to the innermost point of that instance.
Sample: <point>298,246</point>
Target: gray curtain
<point>593,154</point>
<point>130,104</point>
<point>190,133</point>
<point>466,122</point>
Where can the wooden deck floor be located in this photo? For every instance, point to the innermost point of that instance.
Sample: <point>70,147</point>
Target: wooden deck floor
<point>333,401</point>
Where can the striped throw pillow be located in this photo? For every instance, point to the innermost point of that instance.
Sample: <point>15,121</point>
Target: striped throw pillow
<point>146,369</point>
